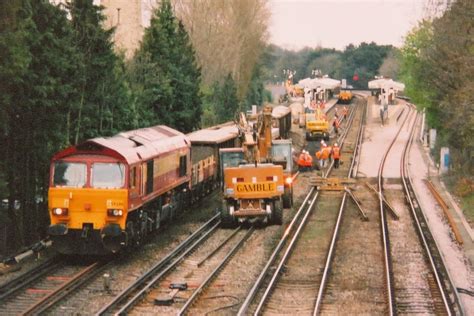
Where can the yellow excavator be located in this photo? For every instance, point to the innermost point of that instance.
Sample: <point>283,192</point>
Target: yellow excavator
<point>257,182</point>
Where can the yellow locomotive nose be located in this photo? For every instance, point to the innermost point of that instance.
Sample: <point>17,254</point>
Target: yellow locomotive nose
<point>82,215</point>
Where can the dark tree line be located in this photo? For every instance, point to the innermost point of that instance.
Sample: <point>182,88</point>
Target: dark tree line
<point>61,83</point>
<point>364,60</point>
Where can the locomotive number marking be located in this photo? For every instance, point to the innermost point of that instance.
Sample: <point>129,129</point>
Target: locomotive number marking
<point>112,204</point>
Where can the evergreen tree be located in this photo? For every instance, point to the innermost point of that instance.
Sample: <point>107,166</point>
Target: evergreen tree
<point>226,102</point>
<point>103,106</point>
<point>174,95</point>
<point>36,99</point>
<point>363,60</point>
<point>188,97</point>
<point>256,90</point>
<point>14,59</point>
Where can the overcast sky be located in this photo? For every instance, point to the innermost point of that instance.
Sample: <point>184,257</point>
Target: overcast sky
<point>336,23</point>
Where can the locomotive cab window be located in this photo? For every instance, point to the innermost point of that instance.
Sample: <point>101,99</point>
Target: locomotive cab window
<point>70,174</point>
<point>182,165</point>
<point>133,178</point>
<point>108,175</point>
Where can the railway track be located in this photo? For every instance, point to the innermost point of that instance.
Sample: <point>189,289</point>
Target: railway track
<point>41,288</point>
<point>138,291</point>
<point>439,295</point>
<point>410,285</point>
<point>414,281</point>
<point>388,269</point>
<point>357,253</point>
<point>293,284</point>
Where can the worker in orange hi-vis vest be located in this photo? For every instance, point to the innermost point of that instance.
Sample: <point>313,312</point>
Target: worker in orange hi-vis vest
<point>336,155</point>
<point>308,161</point>
<point>302,161</point>
<point>344,112</point>
<point>335,124</point>
<point>322,155</point>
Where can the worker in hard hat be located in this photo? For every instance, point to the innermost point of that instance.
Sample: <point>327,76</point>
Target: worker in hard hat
<point>302,161</point>
<point>308,161</point>
<point>336,155</point>
<point>335,124</point>
<point>344,112</point>
<point>322,155</point>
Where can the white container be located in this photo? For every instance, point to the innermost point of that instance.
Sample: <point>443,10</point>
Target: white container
<point>254,110</point>
<point>445,160</point>
<point>432,138</point>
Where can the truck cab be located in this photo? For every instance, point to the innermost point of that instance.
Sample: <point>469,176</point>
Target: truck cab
<point>317,126</point>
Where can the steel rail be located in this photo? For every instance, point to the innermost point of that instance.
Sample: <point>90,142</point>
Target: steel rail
<point>77,280</point>
<point>215,272</point>
<point>332,247</point>
<point>12,286</point>
<point>384,228</point>
<point>149,278</point>
<point>15,297</point>
<point>258,283</point>
<point>222,244</point>
<point>362,132</point>
<point>243,309</point>
<point>286,256</point>
<point>452,304</point>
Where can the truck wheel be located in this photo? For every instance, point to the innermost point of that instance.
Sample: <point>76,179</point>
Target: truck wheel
<point>277,213</point>
<point>288,198</point>
<point>227,220</point>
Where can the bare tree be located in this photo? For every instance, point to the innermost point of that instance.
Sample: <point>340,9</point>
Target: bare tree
<point>229,36</point>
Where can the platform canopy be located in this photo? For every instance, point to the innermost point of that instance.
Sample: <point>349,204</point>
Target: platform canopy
<point>386,84</point>
<point>304,82</point>
<point>323,83</point>
<point>280,111</point>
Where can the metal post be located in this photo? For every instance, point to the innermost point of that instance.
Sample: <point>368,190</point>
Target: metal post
<point>106,279</point>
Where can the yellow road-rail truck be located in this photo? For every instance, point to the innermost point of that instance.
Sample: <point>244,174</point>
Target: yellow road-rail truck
<point>257,177</point>
<point>317,126</point>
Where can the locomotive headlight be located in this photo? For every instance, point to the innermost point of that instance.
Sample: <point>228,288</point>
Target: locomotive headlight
<point>114,212</point>
<point>289,180</point>
<point>60,211</point>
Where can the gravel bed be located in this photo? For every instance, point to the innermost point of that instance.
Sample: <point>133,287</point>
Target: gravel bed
<point>356,285</point>
<point>131,266</point>
<point>410,268</point>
